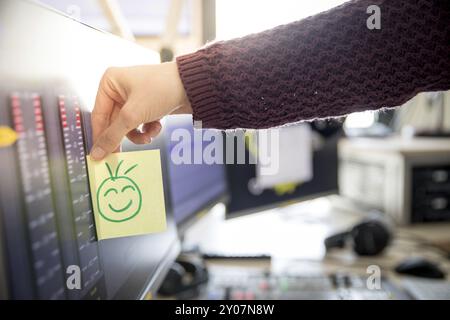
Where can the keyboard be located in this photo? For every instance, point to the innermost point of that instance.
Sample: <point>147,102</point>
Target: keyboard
<point>427,289</point>
<point>253,285</point>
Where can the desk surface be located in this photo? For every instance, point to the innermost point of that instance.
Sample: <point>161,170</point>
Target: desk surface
<point>294,237</point>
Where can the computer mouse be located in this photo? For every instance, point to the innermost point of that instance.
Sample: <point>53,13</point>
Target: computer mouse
<point>420,267</point>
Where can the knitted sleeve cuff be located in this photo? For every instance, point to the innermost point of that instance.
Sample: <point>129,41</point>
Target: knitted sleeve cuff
<point>200,89</point>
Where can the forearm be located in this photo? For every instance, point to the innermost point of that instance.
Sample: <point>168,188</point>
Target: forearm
<point>327,65</point>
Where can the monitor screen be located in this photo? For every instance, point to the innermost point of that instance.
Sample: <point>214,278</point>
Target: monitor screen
<point>196,181</point>
<point>50,68</point>
<point>306,168</point>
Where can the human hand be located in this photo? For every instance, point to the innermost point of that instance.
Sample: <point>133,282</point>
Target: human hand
<point>130,96</point>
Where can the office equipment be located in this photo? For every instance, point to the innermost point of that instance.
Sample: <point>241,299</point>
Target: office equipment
<point>196,185</point>
<point>420,267</point>
<point>426,115</point>
<point>242,284</point>
<point>367,238</point>
<point>427,289</point>
<point>294,236</point>
<point>246,198</point>
<point>230,257</point>
<point>407,179</point>
<point>293,273</point>
<point>50,69</point>
<point>277,162</point>
<point>184,279</point>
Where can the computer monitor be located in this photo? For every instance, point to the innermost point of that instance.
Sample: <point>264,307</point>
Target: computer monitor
<point>308,156</point>
<point>50,68</point>
<point>196,184</point>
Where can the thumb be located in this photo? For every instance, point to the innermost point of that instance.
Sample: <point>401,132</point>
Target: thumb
<point>111,138</point>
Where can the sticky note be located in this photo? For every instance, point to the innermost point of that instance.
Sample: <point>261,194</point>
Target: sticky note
<point>127,194</point>
<point>7,136</point>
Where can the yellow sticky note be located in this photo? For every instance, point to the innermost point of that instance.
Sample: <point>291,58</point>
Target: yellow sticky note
<point>7,136</point>
<point>127,194</point>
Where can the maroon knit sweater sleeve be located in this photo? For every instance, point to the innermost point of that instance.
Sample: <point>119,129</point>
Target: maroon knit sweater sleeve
<point>326,65</point>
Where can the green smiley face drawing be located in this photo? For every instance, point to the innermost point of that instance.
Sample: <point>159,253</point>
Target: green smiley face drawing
<point>118,197</point>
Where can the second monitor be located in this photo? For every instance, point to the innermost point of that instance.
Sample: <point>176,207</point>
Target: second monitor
<point>307,167</point>
<point>196,184</point>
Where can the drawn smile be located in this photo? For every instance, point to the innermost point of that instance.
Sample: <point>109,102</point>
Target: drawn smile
<point>122,209</point>
<point>119,198</point>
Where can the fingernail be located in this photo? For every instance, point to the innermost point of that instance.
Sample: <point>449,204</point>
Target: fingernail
<point>97,153</point>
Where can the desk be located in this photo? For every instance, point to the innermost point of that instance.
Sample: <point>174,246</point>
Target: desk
<point>294,236</point>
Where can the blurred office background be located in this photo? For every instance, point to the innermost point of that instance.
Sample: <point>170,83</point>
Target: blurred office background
<point>309,233</point>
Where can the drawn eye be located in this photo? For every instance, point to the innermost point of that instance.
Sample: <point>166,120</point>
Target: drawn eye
<point>128,187</point>
<point>110,190</point>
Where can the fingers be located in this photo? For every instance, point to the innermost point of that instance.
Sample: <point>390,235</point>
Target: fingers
<point>139,137</point>
<point>113,117</point>
<point>149,131</point>
<point>153,128</point>
<point>110,139</point>
<point>101,114</point>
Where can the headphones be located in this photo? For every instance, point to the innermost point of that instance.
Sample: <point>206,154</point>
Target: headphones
<point>184,276</point>
<point>367,238</point>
